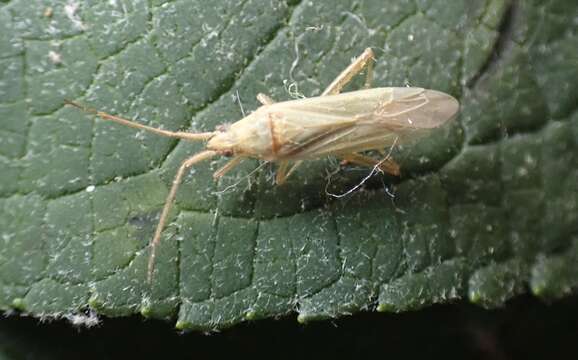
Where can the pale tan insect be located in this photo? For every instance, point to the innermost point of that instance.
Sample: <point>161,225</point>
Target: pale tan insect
<point>342,125</point>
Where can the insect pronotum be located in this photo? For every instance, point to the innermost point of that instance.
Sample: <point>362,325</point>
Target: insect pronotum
<point>289,132</point>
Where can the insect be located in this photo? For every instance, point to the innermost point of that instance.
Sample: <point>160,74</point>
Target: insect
<point>290,132</point>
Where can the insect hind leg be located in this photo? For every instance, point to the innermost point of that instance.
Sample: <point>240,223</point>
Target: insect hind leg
<point>388,165</point>
<point>364,60</point>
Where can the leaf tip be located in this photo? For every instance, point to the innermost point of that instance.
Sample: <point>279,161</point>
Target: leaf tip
<point>146,311</point>
<point>384,307</point>
<point>250,315</point>
<point>302,318</point>
<point>182,325</point>
<point>19,303</point>
<point>537,290</point>
<point>93,302</point>
<point>475,297</point>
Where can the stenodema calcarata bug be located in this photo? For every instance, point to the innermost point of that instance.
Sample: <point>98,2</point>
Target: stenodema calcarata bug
<point>341,125</point>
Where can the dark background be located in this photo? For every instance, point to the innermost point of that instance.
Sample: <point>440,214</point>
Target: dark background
<point>525,329</point>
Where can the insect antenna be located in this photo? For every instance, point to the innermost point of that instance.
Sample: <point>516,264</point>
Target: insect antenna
<point>133,124</point>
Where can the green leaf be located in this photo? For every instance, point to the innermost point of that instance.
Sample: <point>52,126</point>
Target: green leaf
<point>486,206</point>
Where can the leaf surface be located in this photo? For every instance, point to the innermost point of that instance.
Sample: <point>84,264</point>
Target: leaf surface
<point>485,206</point>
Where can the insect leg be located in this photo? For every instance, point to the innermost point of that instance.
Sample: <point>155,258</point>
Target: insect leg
<point>292,169</point>
<point>205,155</point>
<point>133,124</point>
<point>387,165</point>
<point>264,99</point>
<point>284,171</point>
<point>228,166</point>
<point>365,59</point>
<point>281,174</point>
<point>369,73</point>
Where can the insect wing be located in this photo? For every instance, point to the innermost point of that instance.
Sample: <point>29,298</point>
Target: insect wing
<point>358,121</point>
<point>413,108</point>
